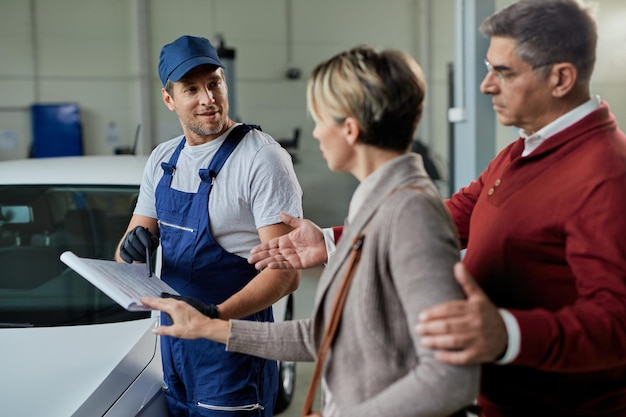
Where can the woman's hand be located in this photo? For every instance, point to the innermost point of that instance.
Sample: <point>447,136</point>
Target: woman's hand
<point>187,322</point>
<point>301,248</point>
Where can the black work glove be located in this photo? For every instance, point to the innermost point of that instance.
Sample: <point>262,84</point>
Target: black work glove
<point>133,248</point>
<point>209,310</point>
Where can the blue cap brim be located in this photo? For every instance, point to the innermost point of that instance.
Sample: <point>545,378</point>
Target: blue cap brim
<point>180,71</point>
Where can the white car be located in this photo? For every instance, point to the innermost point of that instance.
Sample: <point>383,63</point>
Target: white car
<point>66,349</point>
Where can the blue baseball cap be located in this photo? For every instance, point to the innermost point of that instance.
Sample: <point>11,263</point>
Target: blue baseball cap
<point>183,55</point>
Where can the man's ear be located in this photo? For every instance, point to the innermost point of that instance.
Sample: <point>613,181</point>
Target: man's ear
<point>563,77</point>
<point>352,130</point>
<point>167,99</point>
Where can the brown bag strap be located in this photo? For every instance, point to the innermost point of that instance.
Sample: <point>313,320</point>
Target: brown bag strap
<point>333,322</point>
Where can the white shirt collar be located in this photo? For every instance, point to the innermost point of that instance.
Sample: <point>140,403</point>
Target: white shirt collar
<point>533,141</point>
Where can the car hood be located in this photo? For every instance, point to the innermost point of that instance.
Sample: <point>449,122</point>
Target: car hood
<point>56,370</point>
<point>119,169</point>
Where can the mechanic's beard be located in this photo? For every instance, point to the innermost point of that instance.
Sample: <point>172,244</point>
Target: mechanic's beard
<point>202,130</point>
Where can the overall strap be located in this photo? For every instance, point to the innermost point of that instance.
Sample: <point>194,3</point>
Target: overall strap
<point>229,145</point>
<point>170,166</point>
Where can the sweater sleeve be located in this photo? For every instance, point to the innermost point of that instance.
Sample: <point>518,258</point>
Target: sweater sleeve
<point>460,206</point>
<point>287,340</point>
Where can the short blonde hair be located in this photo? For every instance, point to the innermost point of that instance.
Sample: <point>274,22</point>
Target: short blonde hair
<point>383,90</point>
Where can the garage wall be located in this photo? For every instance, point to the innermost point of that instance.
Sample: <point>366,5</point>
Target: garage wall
<point>84,50</point>
<point>90,52</point>
<point>87,51</point>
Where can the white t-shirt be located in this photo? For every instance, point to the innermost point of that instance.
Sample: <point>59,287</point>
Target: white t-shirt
<point>255,184</point>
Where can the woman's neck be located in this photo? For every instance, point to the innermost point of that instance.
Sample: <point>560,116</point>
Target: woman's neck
<point>370,158</point>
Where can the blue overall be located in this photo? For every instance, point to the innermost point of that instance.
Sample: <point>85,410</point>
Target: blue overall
<point>201,378</point>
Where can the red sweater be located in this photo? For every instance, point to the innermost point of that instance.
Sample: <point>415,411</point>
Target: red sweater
<point>546,239</point>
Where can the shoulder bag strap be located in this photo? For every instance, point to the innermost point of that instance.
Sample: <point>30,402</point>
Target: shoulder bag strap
<point>331,328</point>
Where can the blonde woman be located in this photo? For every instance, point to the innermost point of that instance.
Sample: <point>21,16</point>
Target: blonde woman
<point>366,105</point>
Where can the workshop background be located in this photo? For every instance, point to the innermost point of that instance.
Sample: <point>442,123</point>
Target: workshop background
<point>96,61</point>
<point>102,55</point>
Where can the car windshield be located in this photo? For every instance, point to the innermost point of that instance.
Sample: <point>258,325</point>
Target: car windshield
<point>37,224</point>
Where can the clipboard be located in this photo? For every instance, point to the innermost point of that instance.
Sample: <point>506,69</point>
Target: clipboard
<point>125,283</point>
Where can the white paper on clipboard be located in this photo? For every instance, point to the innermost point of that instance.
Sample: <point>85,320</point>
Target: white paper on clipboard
<point>125,283</point>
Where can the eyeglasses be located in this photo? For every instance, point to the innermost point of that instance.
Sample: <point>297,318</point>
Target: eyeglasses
<point>500,76</point>
<point>504,73</point>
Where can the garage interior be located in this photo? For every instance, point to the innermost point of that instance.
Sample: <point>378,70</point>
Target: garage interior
<point>99,60</point>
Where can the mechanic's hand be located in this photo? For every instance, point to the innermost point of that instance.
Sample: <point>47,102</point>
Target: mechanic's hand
<point>467,331</point>
<point>133,248</point>
<point>301,248</point>
<point>209,310</point>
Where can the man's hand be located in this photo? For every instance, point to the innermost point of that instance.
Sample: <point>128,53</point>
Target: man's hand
<point>301,248</point>
<point>134,246</point>
<point>466,331</point>
<point>187,322</point>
